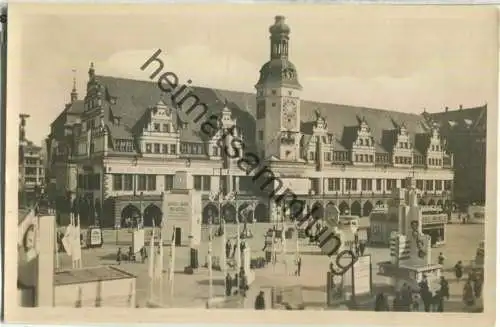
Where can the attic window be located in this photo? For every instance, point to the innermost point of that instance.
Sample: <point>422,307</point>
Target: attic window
<point>468,122</point>
<point>452,123</point>
<point>116,120</point>
<point>112,100</point>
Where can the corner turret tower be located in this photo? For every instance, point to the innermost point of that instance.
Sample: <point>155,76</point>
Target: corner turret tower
<point>278,99</point>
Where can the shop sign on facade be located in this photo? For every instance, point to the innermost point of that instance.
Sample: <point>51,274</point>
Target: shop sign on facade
<point>434,219</point>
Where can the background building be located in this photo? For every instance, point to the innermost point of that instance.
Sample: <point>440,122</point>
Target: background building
<point>120,146</point>
<point>465,132</point>
<point>31,166</point>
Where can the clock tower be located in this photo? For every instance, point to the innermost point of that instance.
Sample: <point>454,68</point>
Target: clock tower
<point>278,100</point>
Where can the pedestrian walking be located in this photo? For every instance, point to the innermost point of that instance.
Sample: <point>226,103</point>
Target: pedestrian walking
<point>438,302</point>
<point>260,303</point>
<point>229,284</point>
<point>235,248</point>
<point>459,270</point>
<point>441,258</point>
<point>478,287</point>
<point>381,302</point>
<point>468,294</point>
<point>299,265</point>
<point>445,288</point>
<point>228,249</point>
<point>119,256</point>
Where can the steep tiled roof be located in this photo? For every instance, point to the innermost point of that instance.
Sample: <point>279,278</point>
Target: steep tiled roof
<point>467,118</point>
<point>135,97</point>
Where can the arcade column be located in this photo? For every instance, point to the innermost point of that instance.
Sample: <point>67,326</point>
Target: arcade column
<point>46,261</point>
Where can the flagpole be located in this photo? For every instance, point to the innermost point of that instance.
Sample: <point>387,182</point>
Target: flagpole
<point>80,264</point>
<point>172,268</point>
<point>223,252</point>
<point>56,250</point>
<point>238,239</point>
<point>161,264</point>
<point>152,255</point>
<point>210,277</point>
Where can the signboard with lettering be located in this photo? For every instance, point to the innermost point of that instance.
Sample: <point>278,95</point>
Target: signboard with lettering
<point>434,219</point>
<point>177,209</point>
<point>94,237</point>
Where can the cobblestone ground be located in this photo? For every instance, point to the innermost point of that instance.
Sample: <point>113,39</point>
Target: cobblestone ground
<point>193,290</point>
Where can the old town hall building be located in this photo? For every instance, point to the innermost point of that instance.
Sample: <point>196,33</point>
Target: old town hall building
<point>121,145</point>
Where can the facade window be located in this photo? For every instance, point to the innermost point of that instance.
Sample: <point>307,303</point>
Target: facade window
<point>215,151</point>
<point>420,184</point>
<point>173,149</point>
<point>166,128</point>
<point>207,183</point>
<point>311,156</point>
<point>328,156</point>
<point>403,183</point>
<point>447,185</point>
<point>439,185</point>
<point>151,182</point>
<point>157,148</point>
<point>391,184</point>
<point>169,182</point>
<point>128,182</point>
<point>184,148</point>
<point>157,127</point>
<point>429,185</point>
<point>148,148</point>
<point>164,148</point>
<point>261,135</point>
<point>366,184</point>
<point>378,184</point>
<point>351,184</point>
<point>197,183</point>
<point>142,183</point>
<point>117,182</point>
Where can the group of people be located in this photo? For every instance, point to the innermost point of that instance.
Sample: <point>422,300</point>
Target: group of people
<point>473,285</point>
<point>240,281</point>
<point>231,247</point>
<point>130,256</point>
<point>408,300</point>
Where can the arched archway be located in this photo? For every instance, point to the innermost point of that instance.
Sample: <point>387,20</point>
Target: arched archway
<point>331,211</point>
<point>152,213</point>
<point>344,208</point>
<point>379,204</point>
<point>229,213</point>
<point>210,214</point>
<point>129,214</point>
<point>432,202</point>
<point>317,210</point>
<point>356,209</point>
<point>421,202</point>
<point>367,208</point>
<point>261,213</point>
<point>439,203</point>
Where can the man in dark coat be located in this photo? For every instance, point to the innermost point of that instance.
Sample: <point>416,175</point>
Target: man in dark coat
<point>260,303</point>
<point>229,284</point>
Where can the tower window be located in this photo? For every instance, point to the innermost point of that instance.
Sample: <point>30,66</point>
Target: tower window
<point>261,135</point>
<point>273,92</point>
<point>289,92</point>
<point>273,104</point>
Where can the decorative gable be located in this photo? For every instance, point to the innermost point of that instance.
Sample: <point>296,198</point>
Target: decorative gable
<point>435,151</point>
<point>402,155</point>
<point>363,148</point>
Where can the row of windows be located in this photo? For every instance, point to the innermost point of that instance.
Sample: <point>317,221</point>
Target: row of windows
<point>32,162</point>
<point>202,183</point>
<point>33,171</point>
<point>402,160</point>
<point>164,128</point>
<point>192,148</point>
<point>124,145</point>
<point>365,142</point>
<point>435,162</point>
<point>404,145</point>
<point>363,158</point>
<point>161,148</point>
<point>91,182</point>
<point>125,182</point>
<point>435,148</point>
<point>351,184</point>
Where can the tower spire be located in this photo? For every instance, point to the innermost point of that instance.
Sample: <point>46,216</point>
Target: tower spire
<point>279,38</point>
<point>91,71</point>
<point>74,93</point>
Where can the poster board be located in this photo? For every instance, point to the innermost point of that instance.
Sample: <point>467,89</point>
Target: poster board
<point>357,281</point>
<point>138,240</point>
<point>94,237</point>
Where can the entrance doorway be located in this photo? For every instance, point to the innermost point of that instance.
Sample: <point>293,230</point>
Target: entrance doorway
<point>178,234</point>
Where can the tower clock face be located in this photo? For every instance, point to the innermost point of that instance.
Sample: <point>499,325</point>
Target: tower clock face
<point>289,114</point>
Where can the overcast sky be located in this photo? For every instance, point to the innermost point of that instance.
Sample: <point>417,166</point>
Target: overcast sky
<point>403,59</point>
